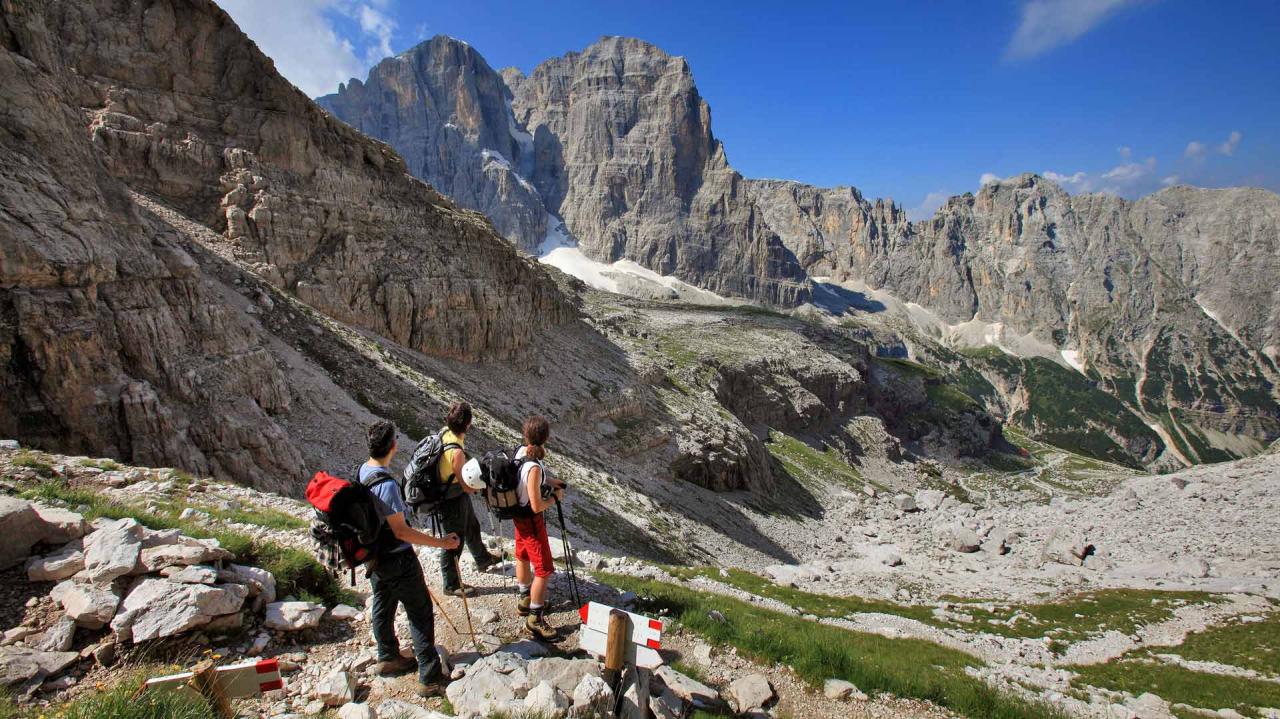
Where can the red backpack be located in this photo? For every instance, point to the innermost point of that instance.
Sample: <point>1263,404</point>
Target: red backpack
<point>348,529</point>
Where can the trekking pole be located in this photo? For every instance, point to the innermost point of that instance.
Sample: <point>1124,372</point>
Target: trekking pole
<point>443,613</point>
<point>568,556</point>
<point>465,607</point>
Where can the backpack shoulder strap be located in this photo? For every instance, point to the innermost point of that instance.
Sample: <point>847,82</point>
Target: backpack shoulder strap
<point>376,477</point>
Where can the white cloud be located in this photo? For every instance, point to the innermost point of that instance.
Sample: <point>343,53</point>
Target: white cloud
<point>1078,181</point>
<point>378,24</point>
<point>1125,152</point>
<point>988,178</point>
<point>303,40</point>
<point>927,206</point>
<point>1195,150</point>
<point>1229,147</point>
<point>1170,180</point>
<point>1048,24</point>
<point>1128,179</point>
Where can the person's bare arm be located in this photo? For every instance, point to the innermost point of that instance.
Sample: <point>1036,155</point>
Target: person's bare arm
<point>405,533</point>
<point>459,458</point>
<point>536,502</point>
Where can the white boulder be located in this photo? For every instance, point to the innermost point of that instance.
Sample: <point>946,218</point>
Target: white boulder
<point>545,700</point>
<point>750,692</point>
<point>336,688</point>
<point>592,696</point>
<point>88,605</point>
<point>20,529</point>
<point>112,551</point>
<point>65,562</point>
<point>292,616</point>
<point>156,607</point>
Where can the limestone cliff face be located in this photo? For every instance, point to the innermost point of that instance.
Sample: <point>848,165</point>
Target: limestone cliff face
<point>624,153</point>
<point>446,112</point>
<point>112,340</point>
<point>1163,299</point>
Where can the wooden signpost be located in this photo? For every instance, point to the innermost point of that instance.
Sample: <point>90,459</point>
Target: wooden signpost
<point>624,640</point>
<point>219,685</point>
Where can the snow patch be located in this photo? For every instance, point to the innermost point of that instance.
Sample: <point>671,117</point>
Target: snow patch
<point>1072,357</point>
<point>561,251</point>
<point>492,158</point>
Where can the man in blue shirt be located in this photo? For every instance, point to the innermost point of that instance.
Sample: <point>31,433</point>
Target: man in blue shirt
<point>397,576</point>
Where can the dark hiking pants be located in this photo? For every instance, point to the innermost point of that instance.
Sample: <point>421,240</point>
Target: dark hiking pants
<point>457,515</point>
<point>397,579</point>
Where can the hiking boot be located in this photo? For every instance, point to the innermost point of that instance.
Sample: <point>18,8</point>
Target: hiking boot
<point>461,591</point>
<point>489,561</point>
<point>429,689</point>
<point>539,629</point>
<point>393,667</point>
<point>522,606</point>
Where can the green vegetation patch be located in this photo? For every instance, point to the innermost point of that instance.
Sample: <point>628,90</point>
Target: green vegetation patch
<point>808,465</point>
<point>123,702</point>
<point>1248,642</point>
<point>1084,615</point>
<point>297,572</point>
<point>270,518</point>
<point>905,667</point>
<point>819,605</point>
<point>31,460</point>
<point>1066,620</point>
<point>1178,685</point>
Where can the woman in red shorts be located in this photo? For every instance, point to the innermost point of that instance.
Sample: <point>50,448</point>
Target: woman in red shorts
<point>533,550</point>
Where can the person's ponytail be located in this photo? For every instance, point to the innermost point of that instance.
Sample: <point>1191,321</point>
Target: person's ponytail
<point>536,431</point>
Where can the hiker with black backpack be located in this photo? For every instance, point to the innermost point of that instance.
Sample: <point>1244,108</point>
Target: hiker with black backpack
<point>454,510</point>
<point>396,576</point>
<point>537,492</point>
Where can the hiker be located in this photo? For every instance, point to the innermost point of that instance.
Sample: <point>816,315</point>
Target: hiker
<point>397,576</point>
<point>537,490</point>
<point>455,511</point>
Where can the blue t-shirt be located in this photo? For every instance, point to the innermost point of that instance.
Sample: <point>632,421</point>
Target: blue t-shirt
<point>387,494</point>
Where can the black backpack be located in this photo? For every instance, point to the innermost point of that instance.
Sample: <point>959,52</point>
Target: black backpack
<point>348,529</point>
<point>501,474</point>
<point>422,487</point>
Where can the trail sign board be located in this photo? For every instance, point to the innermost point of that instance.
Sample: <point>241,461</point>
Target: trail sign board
<point>642,645</point>
<point>234,680</point>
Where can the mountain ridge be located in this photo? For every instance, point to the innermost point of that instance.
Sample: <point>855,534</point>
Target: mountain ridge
<point>623,151</point>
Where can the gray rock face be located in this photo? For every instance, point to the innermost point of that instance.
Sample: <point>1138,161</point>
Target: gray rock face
<point>115,339</point>
<point>617,140</point>
<point>446,112</point>
<point>624,153</point>
<point>1079,273</point>
<point>20,529</point>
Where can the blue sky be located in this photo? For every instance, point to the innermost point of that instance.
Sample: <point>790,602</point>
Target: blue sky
<point>910,100</point>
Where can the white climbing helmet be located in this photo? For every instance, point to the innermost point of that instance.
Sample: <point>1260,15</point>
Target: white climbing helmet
<point>471,474</point>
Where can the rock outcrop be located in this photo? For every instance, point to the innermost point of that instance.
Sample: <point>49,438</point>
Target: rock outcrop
<point>112,338</point>
<point>1129,288</point>
<point>617,141</point>
<point>443,108</point>
<point>624,153</point>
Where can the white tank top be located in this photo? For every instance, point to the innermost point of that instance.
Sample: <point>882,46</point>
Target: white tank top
<point>523,487</point>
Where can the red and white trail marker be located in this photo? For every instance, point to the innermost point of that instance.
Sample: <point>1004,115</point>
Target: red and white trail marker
<point>645,639</point>
<point>234,680</point>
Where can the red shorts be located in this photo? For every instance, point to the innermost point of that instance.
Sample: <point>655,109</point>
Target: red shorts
<point>533,546</point>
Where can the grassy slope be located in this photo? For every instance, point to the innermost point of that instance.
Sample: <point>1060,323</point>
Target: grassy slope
<point>904,667</point>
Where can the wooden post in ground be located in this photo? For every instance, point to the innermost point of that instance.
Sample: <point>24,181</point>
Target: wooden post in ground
<point>204,679</point>
<point>616,647</point>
